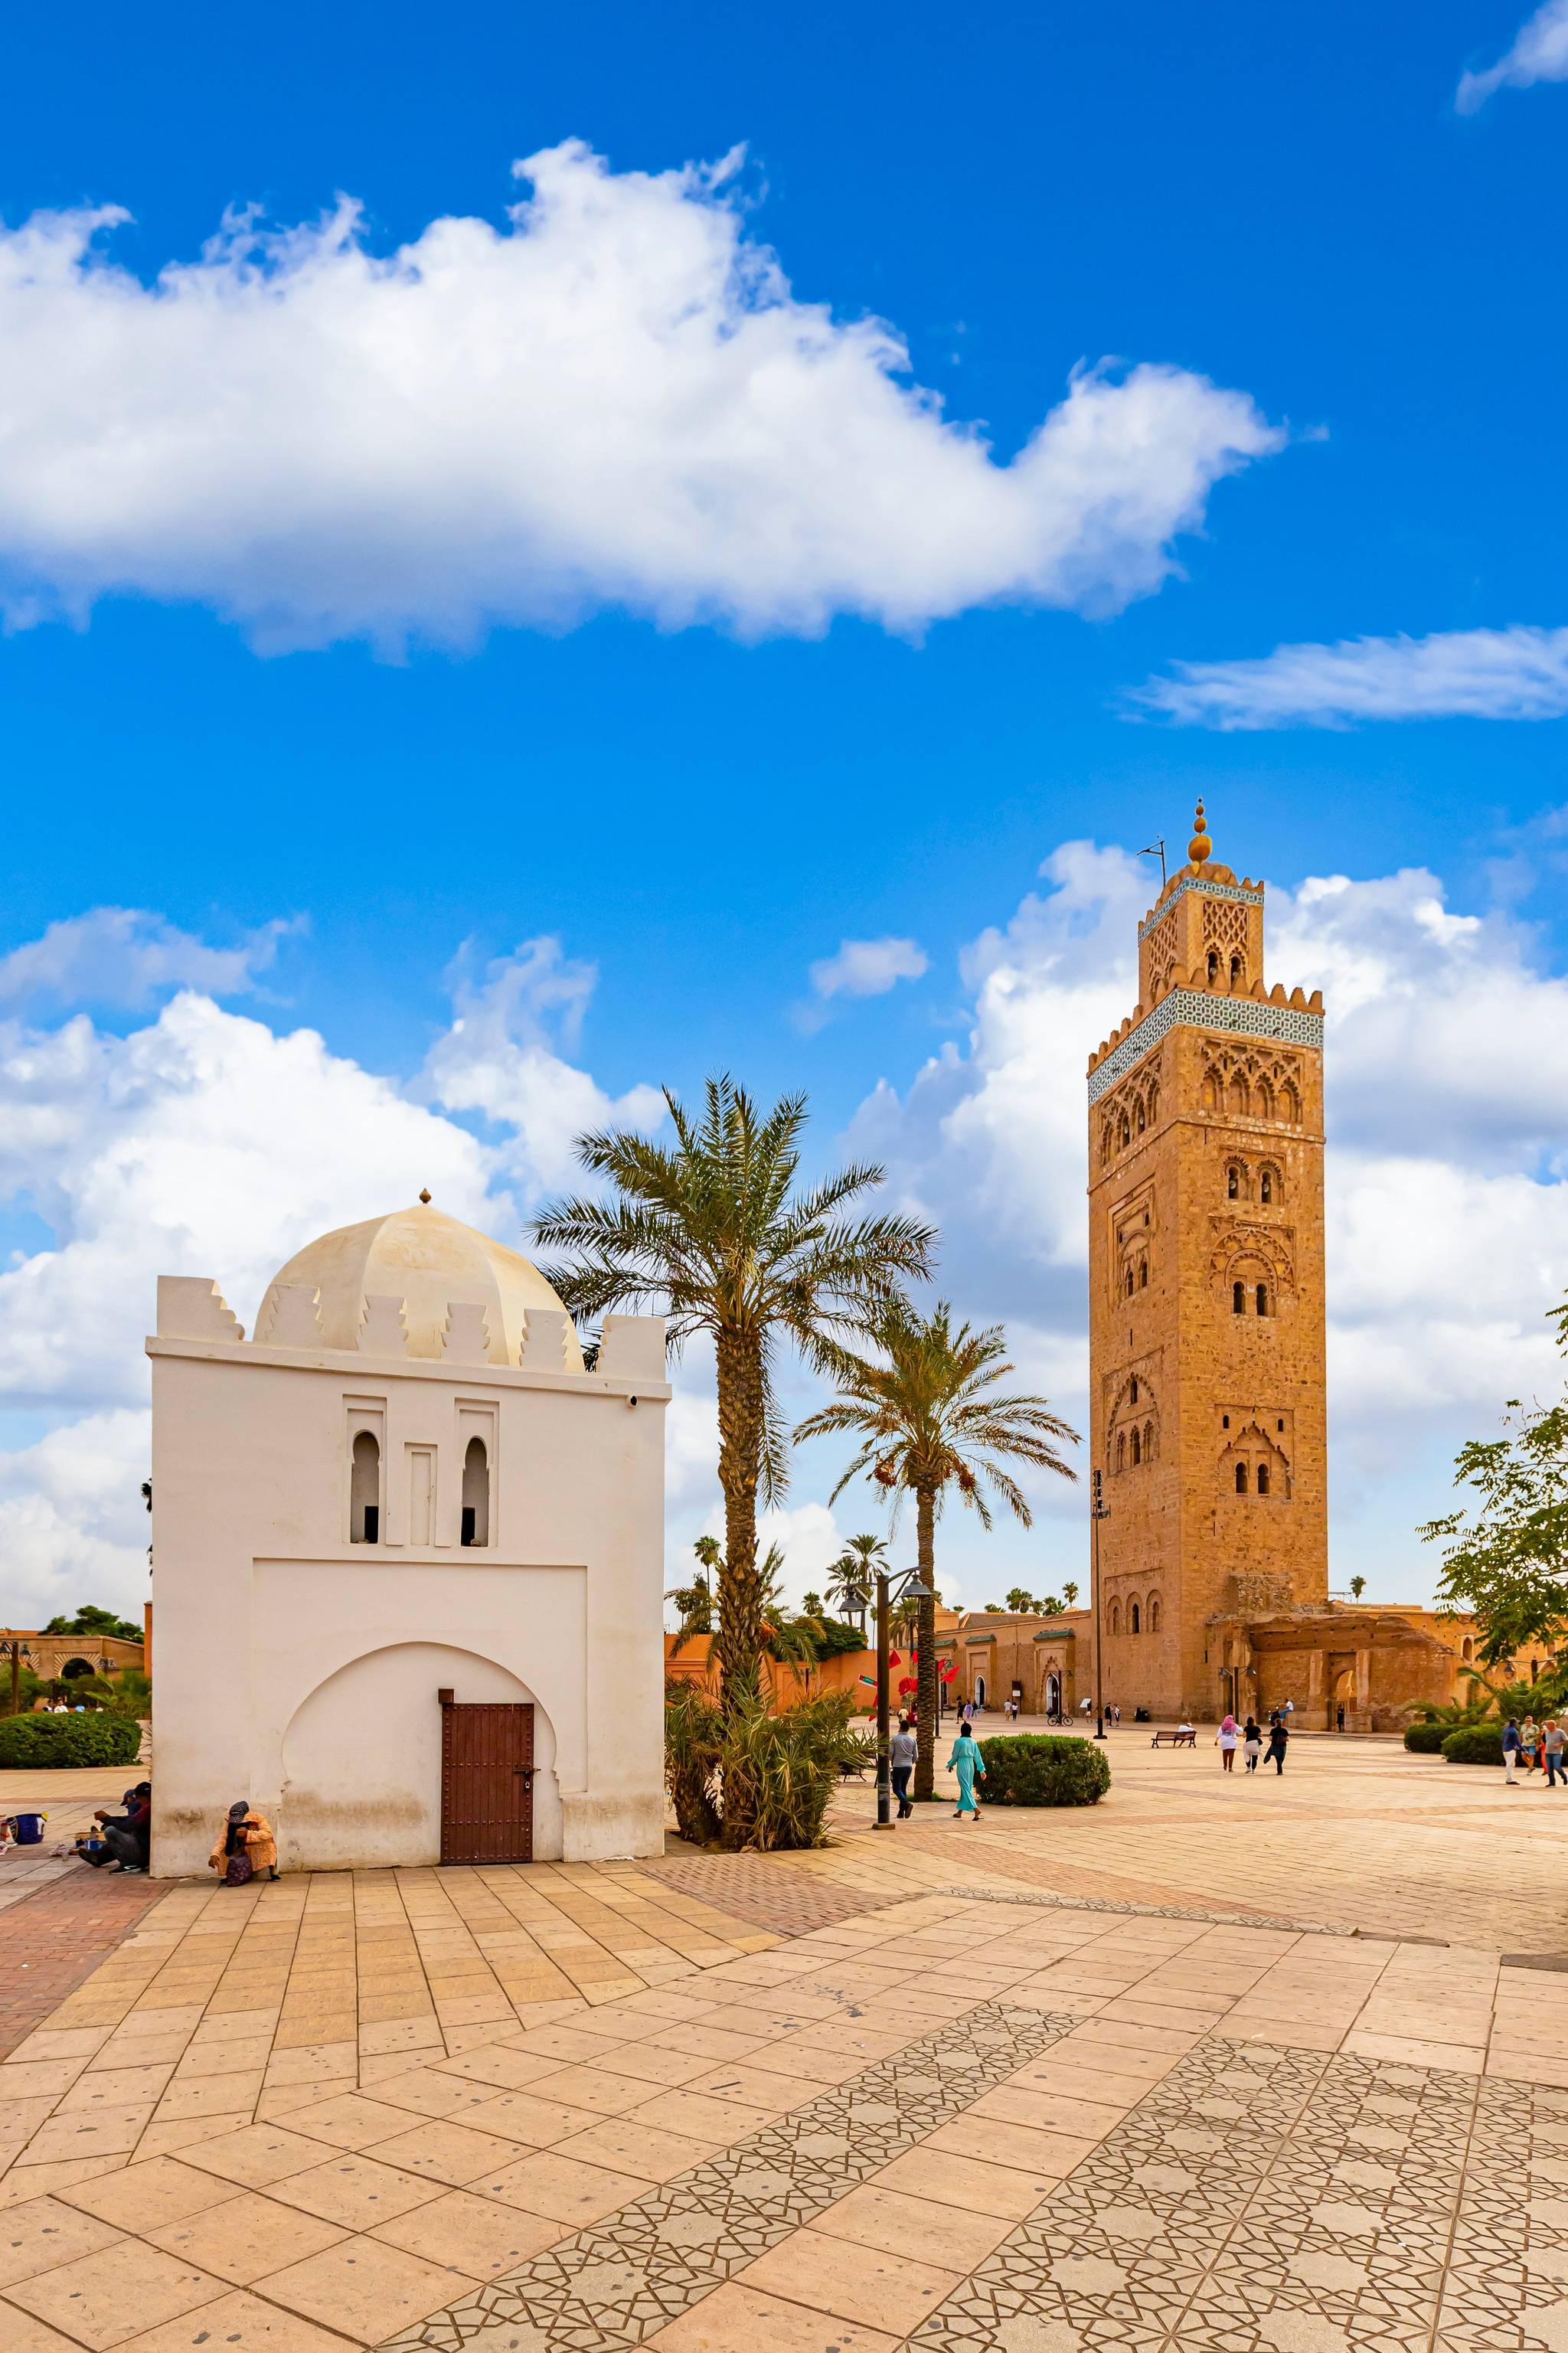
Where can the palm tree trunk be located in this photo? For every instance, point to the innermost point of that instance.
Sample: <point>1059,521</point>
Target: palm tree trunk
<point>737,1644</point>
<point>925,1695</point>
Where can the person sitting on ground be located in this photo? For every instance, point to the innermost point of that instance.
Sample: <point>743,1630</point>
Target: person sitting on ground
<point>246,1847</point>
<point>125,1838</point>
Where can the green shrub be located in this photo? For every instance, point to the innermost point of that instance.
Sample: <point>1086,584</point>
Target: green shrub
<point>1475,1744</point>
<point>45,1742</point>
<point>756,1779</point>
<point>1043,1769</point>
<point>1426,1739</point>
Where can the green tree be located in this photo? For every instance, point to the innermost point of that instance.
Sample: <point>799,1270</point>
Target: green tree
<point>928,1417</point>
<point>1358,1587</point>
<point>811,1605</point>
<point>715,1233</point>
<point>90,1620</point>
<point>1070,1593</point>
<point>695,1601</point>
<point>1506,1558</point>
<point>1018,1600</point>
<point>855,1573</point>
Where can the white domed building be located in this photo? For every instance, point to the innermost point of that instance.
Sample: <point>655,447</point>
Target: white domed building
<point>408,1563</point>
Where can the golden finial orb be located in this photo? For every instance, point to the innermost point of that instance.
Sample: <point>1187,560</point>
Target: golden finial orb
<point>1200,847</point>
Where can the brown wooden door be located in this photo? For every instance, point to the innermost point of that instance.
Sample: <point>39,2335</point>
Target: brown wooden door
<point>487,1783</point>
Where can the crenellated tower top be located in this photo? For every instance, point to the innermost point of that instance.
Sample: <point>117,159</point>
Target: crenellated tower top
<point>1203,939</point>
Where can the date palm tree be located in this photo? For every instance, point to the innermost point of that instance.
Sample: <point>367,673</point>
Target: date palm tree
<point>713,1233</point>
<point>852,1576</point>
<point>928,1416</point>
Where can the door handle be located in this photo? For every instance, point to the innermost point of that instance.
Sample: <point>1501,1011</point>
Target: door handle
<point>526,1772</point>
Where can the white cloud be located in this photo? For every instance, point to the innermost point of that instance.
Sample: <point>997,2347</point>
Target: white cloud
<point>616,399</point>
<point>204,1142</point>
<point>127,957</point>
<point>1539,53</point>
<point>499,1058</point>
<point>1513,673</point>
<point>868,967</point>
<point>1446,1172</point>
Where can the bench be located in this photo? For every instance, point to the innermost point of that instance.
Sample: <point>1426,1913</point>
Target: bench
<point>1174,1740</point>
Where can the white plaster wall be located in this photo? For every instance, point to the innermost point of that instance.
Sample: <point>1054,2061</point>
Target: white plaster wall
<point>260,1599</point>
<point>361,1760</point>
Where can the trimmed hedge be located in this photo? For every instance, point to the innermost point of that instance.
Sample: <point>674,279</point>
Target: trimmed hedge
<point>1043,1769</point>
<point>1475,1744</point>
<point>1426,1739</point>
<point>49,1741</point>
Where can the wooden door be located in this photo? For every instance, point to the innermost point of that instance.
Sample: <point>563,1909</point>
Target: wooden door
<point>487,1782</point>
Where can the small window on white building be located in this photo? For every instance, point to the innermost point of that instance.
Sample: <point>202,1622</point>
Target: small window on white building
<point>475,1493</point>
<point>365,1491</point>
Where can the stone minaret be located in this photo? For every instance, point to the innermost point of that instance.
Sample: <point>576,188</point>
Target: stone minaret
<point>1207,1318</point>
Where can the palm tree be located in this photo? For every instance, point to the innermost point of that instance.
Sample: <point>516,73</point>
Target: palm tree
<point>1070,1592</point>
<point>1358,1587</point>
<point>714,1233</point>
<point>695,1601</point>
<point>852,1578</point>
<point>928,1417</point>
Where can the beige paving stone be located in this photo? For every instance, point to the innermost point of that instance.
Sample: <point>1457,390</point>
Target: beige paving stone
<point>901,2224</point>
<point>101,2304</point>
<point>971,2181</point>
<point>144,2196</point>
<point>362,2287</point>
<point>562,2188</point>
<point>244,2236</point>
<point>258,2155</point>
<point>739,2318</point>
<point>483,2237</point>
<point>238,2323</point>
<point>623,2145</point>
<point>42,2233</point>
<point>353,2189</point>
<point>850,2280</point>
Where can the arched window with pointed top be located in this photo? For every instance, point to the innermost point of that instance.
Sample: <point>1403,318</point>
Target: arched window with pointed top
<point>1122,1450</point>
<point>1233,1183</point>
<point>365,1489</point>
<point>1142,1274</point>
<point>1132,1391</point>
<point>1129,1278</point>
<point>1141,1116</point>
<point>1263,1478</point>
<point>1147,1441</point>
<point>1153,1613</point>
<point>1237,972</point>
<point>1266,1186</point>
<point>1214,966</point>
<point>1263,1299</point>
<point>476,1523</point>
<point>1137,1448</point>
<point>1241,1478</point>
<point>1133,1625</point>
<point>1238,1298</point>
<point>1126,1131</point>
<point>1116,1616</point>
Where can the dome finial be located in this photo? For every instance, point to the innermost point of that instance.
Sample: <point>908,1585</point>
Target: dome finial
<point>425,1198</point>
<point>1200,847</point>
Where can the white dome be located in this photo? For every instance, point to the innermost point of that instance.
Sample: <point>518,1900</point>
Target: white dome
<point>429,1261</point>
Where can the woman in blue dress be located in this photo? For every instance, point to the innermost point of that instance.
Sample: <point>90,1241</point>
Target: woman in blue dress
<point>966,1762</point>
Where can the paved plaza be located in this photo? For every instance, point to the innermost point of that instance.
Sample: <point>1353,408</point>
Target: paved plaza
<point>1221,2064</point>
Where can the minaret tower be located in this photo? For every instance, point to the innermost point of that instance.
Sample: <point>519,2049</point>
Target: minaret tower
<point>1207,1296</point>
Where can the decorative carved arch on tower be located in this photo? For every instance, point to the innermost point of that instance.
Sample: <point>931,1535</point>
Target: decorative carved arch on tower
<point>1253,1464</point>
<point>1132,1424</point>
<point>1248,1251</point>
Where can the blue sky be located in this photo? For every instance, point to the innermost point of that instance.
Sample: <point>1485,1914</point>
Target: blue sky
<point>345,604</point>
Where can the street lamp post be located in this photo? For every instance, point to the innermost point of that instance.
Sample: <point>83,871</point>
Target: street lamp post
<point>18,1651</point>
<point>1097,1511</point>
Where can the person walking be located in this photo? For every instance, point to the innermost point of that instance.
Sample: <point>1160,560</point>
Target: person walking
<point>1527,1744</point>
<point>1225,1740</point>
<point>966,1761</point>
<point>1510,1746</point>
<point>901,1751</point>
<point>1339,1717</point>
<point>1252,1743</point>
<point>1553,1743</point>
<point>1278,1734</point>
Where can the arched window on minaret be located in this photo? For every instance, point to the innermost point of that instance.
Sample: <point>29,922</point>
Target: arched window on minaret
<point>1263,1299</point>
<point>1233,1183</point>
<point>1122,1450</point>
<point>365,1489</point>
<point>1266,1186</point>
<point>1238,973</point>
<point>1142,1274</point>
<point>1129,1278</point>
<point>1241,1478</point>
<point>1263,1478</point>
<point>1133,1618</point>
<point>1214,967</point>
<point>1238,1298</point>
<point>1116,1616</point>
<point>1236,1100</point>
<point>1137,1448</point>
